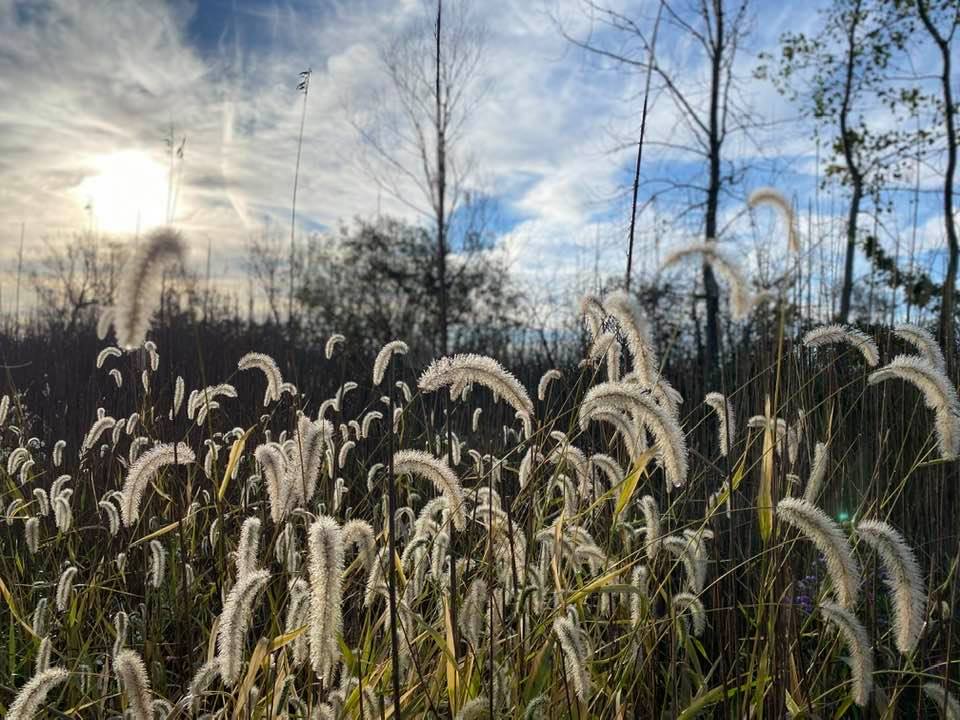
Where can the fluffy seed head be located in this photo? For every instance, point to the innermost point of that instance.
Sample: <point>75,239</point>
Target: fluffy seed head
<point>858,645</point>
<point>833,334</point>
<point>774,198</point>
<point>727,418</point>
<point>268,366</point>
<point>31,531</point>
<point>325,549</point>
<point>545,380</point>
<point>396,347</point>
<point>939,394</point>
<point>138,289</point>
<point>249,547</point>
<point>830,540</point>
<point>234,621</point>
<point>273,468</point>
<point>742,298</point>
<point>29,700</point>
<point>65,587</point>
<point>445,480</point>
<point>665,428</point>
<point>817,473</point>
<point>924,341</point>
<point>143,472</point>
<point>129,667</point>
<point>158,563</point>
<point>460,371</point>
<point>331,345</point>
<point>902,578</point>
<point>684,602</point>
<point>636,329</point>
<point>574,655</point>
<point>946,703</point>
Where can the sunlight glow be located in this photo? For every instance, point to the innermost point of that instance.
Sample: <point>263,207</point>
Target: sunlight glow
<point>128,194</point>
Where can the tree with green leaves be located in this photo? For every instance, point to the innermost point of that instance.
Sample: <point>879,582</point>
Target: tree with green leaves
<point>837,77</point>
<point>378,281</point>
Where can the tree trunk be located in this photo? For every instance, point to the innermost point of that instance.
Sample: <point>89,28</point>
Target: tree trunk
<point>847,289</point>
<point>710,288</point>
<point>947,308</point>
<point>712,293</point>
<point>856,177</point>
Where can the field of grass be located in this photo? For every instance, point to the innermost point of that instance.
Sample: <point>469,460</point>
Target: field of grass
<point>598,546</point>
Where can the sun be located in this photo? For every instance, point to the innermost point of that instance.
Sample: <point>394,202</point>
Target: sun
<point>128,194</point>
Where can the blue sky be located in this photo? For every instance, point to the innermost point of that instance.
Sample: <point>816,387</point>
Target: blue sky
<point>91,90</point>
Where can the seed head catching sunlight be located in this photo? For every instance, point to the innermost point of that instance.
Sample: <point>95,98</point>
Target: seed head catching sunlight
<point>354,366</point>
<point>127,194</point>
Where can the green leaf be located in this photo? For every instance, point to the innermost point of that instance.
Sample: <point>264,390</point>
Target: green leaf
<point>630,482</point>
<point>765,495</point>
<point>792,707</point>
<point>236,452</point>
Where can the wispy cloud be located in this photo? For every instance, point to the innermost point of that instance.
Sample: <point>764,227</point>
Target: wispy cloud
<point>83,80</point>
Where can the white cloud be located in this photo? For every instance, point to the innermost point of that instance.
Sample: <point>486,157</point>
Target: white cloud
<point>83,80</point>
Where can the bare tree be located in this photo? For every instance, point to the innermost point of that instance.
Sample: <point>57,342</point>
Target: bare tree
<point>717,28</point>
<point>416,134</point>
<point>265,264</point>
<point>75,278</point>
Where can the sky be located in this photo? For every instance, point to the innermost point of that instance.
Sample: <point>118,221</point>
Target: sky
<point>94,91</point>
